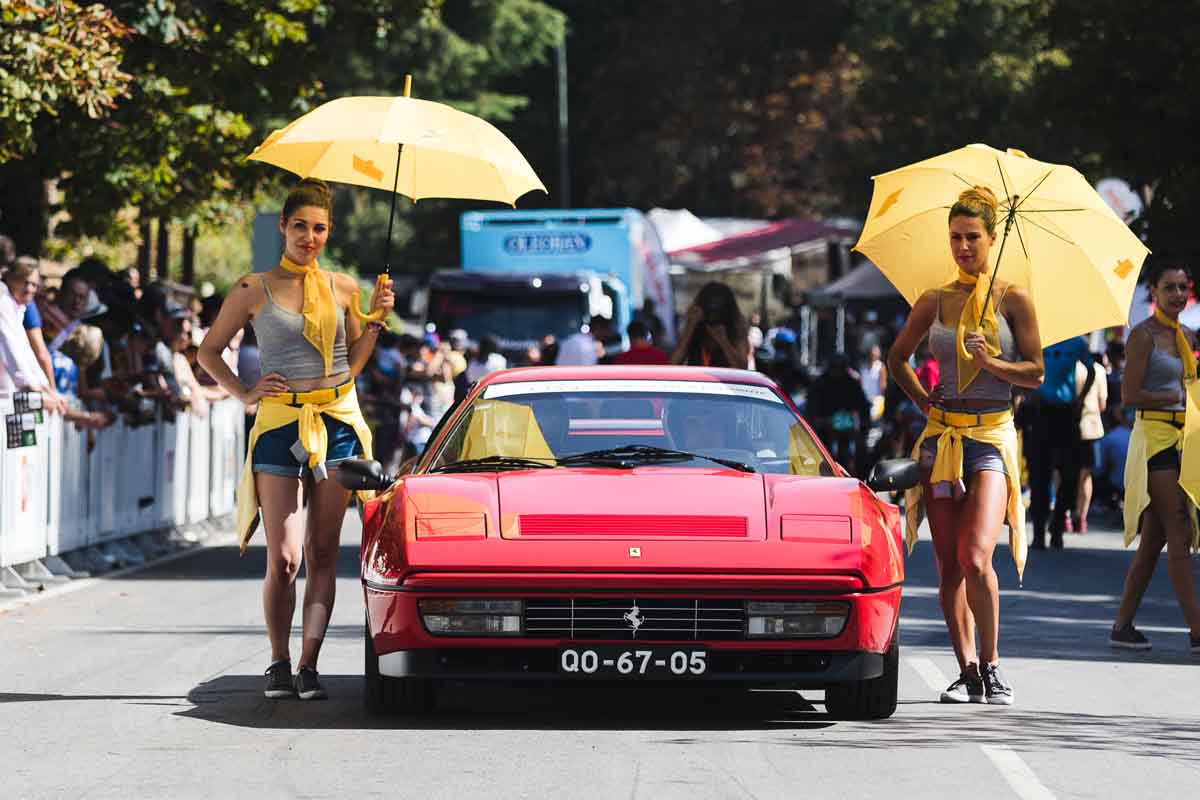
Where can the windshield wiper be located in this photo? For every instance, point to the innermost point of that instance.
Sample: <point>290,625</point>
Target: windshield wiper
<point>623,455</point>
<point>490,463</point>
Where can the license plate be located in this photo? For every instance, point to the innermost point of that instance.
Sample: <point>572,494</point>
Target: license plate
<point>615,661</point>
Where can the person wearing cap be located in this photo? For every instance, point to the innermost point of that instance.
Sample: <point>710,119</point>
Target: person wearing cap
<point>312,345</point>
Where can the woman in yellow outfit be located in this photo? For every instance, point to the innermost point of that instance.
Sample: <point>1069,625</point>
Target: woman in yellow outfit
<point>1158,362</point>
<point>985,343</point>
<point>312,344</point>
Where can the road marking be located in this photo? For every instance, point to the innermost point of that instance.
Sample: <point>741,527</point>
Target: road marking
<point>934,678</point>
<point>1018,774</point>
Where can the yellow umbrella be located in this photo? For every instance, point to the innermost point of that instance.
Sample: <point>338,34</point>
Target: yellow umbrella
<point>417,148</point>
<point>1059,239</point>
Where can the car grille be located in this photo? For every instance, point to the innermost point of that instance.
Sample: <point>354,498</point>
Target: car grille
<point>642,619</point>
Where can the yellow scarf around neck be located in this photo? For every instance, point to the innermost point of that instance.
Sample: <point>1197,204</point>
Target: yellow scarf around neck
<point>1181,344</point>
<point>320,308</point>
<point>977,314</point>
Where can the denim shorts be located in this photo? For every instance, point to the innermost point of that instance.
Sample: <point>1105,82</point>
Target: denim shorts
<point>273,450</point>
<point>977,456</point>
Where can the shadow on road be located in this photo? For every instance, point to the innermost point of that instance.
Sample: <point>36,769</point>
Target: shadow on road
<point>1064,610</point>
<point>238,700</point>
<point>224,563</point>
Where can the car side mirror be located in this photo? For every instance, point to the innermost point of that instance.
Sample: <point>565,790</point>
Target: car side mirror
<point>894,475</point>
<point>358,474</point>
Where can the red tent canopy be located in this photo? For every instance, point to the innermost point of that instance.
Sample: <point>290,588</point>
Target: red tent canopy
<point>747,248</point>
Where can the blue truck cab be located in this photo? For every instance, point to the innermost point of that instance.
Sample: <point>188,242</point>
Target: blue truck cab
<point>526,274</point>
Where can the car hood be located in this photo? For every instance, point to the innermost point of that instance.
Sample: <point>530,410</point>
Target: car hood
<point>650,503</point>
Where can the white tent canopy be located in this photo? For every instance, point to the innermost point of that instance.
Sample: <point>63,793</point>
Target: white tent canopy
<point>680,228</point>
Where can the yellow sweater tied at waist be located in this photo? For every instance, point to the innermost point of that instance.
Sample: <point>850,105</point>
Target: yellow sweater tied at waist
<point>950,428</point>
<point>1154,432</point>
<point>306,408</point>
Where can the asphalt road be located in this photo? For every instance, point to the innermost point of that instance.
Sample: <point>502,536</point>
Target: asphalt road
<point>149,684</point>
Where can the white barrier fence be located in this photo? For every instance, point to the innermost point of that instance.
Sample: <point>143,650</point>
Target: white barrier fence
<point>72,501</point>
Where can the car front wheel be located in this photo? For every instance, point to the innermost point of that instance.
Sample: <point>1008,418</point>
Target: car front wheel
<point>387,695</point>
<point>874,698</point>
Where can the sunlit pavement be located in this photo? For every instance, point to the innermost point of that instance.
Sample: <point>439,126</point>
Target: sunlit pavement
<point>149,685</point>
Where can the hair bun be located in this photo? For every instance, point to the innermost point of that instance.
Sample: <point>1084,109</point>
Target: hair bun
<point>315,184</point>
<point>980,194</point>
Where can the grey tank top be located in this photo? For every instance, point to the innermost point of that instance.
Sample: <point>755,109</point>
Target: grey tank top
<point>986,386</point>
<point>1164,373</point>
<point>282,347</point>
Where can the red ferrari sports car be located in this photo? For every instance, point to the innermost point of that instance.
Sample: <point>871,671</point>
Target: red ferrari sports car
<point>630,524</point>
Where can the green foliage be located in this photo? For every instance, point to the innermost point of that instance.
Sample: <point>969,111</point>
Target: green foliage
<point>55,56</point>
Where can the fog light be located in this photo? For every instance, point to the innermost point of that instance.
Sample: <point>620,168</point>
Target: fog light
<point>472,617</point>
<point>773,619</point>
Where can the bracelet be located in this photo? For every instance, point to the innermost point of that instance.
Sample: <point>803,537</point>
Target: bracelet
<point>376,326</point>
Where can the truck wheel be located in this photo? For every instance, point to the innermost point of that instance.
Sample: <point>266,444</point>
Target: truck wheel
<point>874,698</point>
<point>387,695</point>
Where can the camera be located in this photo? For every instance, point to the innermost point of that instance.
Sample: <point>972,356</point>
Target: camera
<point>714,312</point>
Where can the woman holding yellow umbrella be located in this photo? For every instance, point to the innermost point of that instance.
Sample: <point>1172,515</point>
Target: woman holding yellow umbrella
<point>312,343</point>
<point>984,334</point>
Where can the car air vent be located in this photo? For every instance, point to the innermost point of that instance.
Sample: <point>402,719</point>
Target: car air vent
<point>632,525</point>
<point>640,619</point>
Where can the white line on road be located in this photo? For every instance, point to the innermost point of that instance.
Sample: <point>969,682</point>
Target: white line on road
<point>929,672</point>
<point>1018,774</point>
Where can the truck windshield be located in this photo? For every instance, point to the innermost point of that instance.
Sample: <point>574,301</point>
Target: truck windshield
<point>509,318</point>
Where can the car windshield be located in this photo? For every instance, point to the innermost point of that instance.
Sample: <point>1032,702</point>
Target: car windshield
<point>582,421</point>
<point>504,317</point>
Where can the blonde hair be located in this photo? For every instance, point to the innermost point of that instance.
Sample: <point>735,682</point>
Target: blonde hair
<point>979,202</point>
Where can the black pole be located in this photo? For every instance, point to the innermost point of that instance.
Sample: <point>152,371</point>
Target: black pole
<point>1009,218</point>
<point>387,247</point>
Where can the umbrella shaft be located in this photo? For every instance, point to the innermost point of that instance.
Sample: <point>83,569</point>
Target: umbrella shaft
<point>387,247</point>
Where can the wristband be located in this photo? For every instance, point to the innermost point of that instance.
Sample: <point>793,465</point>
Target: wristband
<point>376,326</point>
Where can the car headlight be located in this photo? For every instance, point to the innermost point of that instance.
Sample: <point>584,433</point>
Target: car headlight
<point>472,617</point>
<point>786,619</point>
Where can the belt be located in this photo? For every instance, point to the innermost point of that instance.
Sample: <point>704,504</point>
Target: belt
<point>1176,417</point>
<point>316,397</point>
<point>969,419</point>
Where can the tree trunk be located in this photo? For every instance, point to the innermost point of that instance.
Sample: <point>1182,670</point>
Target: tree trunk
<point>189,256</point>
<point>163,251</point>
<point>23,211</point>
<point>143,255</point>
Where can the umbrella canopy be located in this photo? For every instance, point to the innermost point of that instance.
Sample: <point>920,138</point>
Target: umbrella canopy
<point>419,148</point>
<point>1055,236</point>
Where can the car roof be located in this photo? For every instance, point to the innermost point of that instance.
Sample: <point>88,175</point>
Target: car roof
<point>607,372</point>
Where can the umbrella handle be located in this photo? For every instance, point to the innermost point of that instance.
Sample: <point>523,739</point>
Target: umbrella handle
<point>373,316</point>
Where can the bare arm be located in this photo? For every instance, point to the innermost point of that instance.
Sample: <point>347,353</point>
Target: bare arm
<point>680,353</point>
<point>247,293</point>
<point>915,328</point>
<point>362,342</point>
<point>1023,320</point>
<point>1137,356</point>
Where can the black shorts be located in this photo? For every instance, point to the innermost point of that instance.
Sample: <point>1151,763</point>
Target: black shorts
<point>1164,460</point>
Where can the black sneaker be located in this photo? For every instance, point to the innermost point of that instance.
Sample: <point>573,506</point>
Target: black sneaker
<point>967,689</point>
<point>308,686</point>
<point>1129,638</point>
<point>279,680</point>
<point>997,691</point>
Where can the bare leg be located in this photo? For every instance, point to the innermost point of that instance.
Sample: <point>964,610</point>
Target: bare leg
<point>280,500</point>
<point>325,514</point>
<point>1083,497</point>
<point>1165,493</point>
<point>979,522</point>
<point>944,525</point>
<point>1151,540</point>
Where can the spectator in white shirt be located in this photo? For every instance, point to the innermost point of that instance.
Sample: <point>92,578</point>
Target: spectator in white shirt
<point>19,367</point>
<point>586,348</point>
<point>487,360</point>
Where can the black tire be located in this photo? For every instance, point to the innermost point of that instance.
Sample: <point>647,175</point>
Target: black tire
<point>874,698</point>
<point>387,695</point>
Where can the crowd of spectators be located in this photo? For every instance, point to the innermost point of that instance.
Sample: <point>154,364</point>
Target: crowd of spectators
<point>97,345</point>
